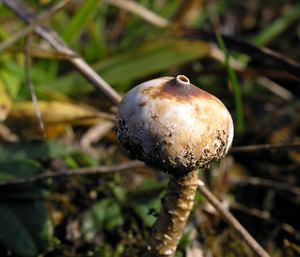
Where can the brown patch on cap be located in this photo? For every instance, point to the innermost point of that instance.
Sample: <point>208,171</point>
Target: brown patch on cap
<point>180,89</point>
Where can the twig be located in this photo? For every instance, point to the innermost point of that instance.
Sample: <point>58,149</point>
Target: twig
<point>31,87</point>
<point>261,214</point>
<point>49,35</point>
<point>94,134</point>
<point>96,80</point>
<point>106,116</point>
<point>232,221</point>
<point>26,31</point>
<point>275,88</point>
<point>255,181</point>
<point>262,147</point>
<point>140,11</point>
<point>45,52</point>
<point>265,215</point>
<point>80,171</point>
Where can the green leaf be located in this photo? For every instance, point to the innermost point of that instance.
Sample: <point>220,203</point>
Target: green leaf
<point>151,192</point>
<point>11,73</point>
<point>14,235</point>
<point>79,19</point>
<point>25,227</point>
<point>35,218</point>
<point>143,210</point>
<point>11,169</point>
<point>122,69</point>
<point>150,184</point>
<point>150,58</point>
<point>33,150</point>
<point>84,159</point>
<point>105,214</point>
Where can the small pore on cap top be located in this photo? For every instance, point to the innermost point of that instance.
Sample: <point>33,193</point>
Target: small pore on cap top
<point>183,80</point>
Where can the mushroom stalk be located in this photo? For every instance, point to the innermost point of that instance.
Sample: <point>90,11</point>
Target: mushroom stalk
<point>176,207</point>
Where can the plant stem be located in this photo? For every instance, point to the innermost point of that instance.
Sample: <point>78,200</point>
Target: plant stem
<point>259,251</point>
<point>176,207</point>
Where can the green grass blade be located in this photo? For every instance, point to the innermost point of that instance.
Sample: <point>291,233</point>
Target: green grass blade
<point>240,124</point>
<point>79,20</point>
<point>276,27</point>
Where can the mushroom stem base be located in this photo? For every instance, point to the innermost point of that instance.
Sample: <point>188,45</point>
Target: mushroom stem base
<point>176,207</point>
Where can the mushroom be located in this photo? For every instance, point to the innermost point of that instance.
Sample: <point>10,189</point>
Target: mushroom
<point>170,124</point>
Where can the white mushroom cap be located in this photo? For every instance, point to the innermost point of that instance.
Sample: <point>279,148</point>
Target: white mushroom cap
<point>173,125</point>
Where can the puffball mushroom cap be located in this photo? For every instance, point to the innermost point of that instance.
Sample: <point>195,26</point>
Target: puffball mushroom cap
<point>173,125</point>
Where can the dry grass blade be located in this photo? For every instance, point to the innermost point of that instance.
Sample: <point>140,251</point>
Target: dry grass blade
<point>94,134</point>
<point>40,19</point>
<point>256,181</point>
<point>45,52</point>
<point>262,147</point>
<point>140,11</point>
<point>31,87</point>
<point>275,88</point>
<point>188,12</point>
<point>56,112</point>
